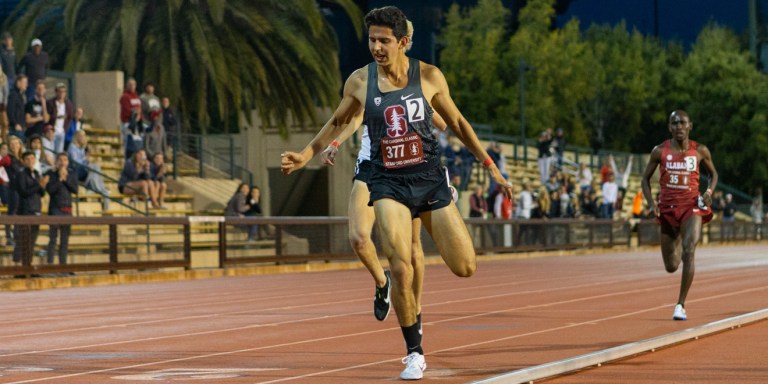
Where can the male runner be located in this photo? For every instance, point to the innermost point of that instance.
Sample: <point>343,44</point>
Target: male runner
<point>681,211</point>
<point>397,94</point>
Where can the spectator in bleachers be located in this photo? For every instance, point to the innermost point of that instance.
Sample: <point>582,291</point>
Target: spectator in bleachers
<point>525,203</point>
<point>605,170</point>
<point>729,217</point>
<point>552,184</point>
<point>452,157</point>
<point>74,126</point>
<point>542,204</point>
<point>36,111</point>
<point>555,211</point>
<point>35,65</point>
<point>48,141</point>
<point>478,206</point>
<point>558,148</point>
<point>157,175</point>
<point>62,112</point>
<point>5,185</point>
<point>151,108</point>
<point>544,146</point>
<point>170,122</point>
<point>502,207</point>
<point>62,183</point>
<point>17,102</point>
<point>135,178</point>
<point>87,173</point>
<point>622,174</point>
<point>238,203</point>
<point>134,138</point>
<point>43,161</point>
<point>566,210</point>
<point>638,204</point>
<point>584,177</point>
<point>8,58</point>
<point>588,203</point>
<point>4,90</point>
<point>610,196</point>
<point>11,163</point>
<point>718,203</point>
<point>31,188</point>
<point>465,168</point>
<point>254,210</point>
<point>756,210</point>
<point>155,140</point>
<point>130,108</point>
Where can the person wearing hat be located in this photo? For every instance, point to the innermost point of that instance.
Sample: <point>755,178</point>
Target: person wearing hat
<point>61,111</point>
<point>35,65</point>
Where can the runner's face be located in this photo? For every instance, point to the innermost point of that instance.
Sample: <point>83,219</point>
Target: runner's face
<point>679,126</point>
<point>383,44</point>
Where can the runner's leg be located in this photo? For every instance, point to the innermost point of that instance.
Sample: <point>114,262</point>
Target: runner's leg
<point>361,219</point>
<point>450,234</point>
<point>690,233</point>
<point>393,220</point>
<point>417,261</point>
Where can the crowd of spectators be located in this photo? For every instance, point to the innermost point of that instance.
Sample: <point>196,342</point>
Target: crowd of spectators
<point>34,151</point>
<point>145,120</point>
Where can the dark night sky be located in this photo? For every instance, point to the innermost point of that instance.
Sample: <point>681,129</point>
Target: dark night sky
<point>680,20</point>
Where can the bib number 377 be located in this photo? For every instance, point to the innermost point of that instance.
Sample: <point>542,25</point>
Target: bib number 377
<point>403,151</point>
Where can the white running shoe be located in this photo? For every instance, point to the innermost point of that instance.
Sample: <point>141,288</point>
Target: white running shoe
<point>679,313</point>
<point>414,367</point>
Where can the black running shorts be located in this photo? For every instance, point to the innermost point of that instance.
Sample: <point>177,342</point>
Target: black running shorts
<point>363,171</point>
<point>420,192</point>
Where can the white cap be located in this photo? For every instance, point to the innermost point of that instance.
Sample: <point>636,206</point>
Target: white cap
<point>37,42</point>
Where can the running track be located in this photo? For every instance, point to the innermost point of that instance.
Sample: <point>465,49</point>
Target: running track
<point>319,328</point>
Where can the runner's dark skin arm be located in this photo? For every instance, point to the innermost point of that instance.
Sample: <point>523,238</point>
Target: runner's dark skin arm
<point>650,169</point>
<point>706,162</point>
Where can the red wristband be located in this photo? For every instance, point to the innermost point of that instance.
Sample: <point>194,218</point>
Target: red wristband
<point>487,163</point>
<point>335,144</point>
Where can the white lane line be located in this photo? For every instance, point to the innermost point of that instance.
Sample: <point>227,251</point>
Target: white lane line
<point>560,367</point>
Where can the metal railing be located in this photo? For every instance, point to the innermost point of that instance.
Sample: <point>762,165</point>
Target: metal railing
<point>281,240</point>
<point>218,153</point>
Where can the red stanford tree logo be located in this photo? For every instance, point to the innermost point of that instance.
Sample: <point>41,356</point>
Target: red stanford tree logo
<point>394,116</point>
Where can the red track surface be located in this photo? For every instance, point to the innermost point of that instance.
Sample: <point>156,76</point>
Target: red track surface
<point>318,327</point>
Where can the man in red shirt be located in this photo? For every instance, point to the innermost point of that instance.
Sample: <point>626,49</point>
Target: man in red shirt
<point>130,103</point>
<point>681,211</point>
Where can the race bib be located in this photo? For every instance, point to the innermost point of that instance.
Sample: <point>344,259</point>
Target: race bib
<point>403,151</point>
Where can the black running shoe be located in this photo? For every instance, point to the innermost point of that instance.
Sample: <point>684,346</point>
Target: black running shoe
<point>381,300</point>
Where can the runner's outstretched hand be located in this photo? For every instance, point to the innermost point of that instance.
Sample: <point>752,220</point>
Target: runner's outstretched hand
<point>291,161</point>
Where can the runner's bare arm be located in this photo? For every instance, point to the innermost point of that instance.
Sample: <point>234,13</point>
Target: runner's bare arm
<point>351,102</point>
<point>329,153</point>
<point>443,103</point>
<point>709,165</point>
<point>650,169</point>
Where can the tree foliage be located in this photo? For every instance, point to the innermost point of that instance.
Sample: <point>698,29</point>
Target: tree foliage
<point>213,58</point>
<point>609,88</point>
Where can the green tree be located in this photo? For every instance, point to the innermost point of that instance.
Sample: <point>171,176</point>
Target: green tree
<point>558,74</point>
<point>213,58</point>
<point>624,80</point>
<point>724,94</point>
<point>475,38</point>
